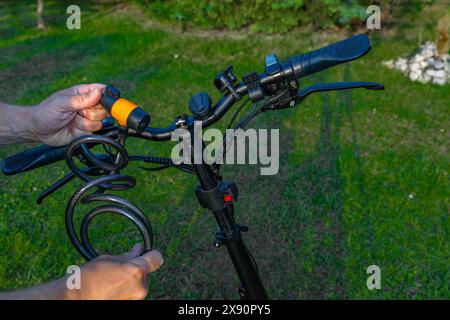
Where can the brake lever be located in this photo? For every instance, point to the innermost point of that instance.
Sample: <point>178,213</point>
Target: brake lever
<point>303,93</point>
<point>288,99</point>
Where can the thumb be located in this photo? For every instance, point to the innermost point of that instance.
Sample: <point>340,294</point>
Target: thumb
<point>135,252</point>
<point>150,262</point>
<point>85,100</point>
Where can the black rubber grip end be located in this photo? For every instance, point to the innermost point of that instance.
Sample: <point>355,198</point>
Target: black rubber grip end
<point>329,56</point>
<point>138,119</point>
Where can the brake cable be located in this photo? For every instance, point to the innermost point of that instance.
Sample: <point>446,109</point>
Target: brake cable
<point>165,163</point>
<point>237,112</point>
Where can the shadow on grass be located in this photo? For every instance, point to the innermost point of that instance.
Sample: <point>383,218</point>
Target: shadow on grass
<point>347,105</point>
<point>319,185</point>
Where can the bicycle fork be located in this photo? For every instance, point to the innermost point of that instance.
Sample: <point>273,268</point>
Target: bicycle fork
<point>218,196</point>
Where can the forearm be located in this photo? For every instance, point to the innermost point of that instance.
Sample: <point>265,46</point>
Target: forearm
<point>15,124</point>
<point>55,290</point>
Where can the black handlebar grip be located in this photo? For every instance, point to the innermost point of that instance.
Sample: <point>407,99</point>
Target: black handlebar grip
<point>31,159</point>
<point>329,56</point>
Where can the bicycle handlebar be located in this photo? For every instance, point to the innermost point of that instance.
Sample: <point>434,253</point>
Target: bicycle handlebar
<point>293,69</point>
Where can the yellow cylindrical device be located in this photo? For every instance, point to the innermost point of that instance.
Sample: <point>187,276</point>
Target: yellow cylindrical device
<point>123,110</point>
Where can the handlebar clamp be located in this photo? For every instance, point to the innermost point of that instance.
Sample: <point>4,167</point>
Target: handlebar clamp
<point>255,91</point>
<point>225,81</point>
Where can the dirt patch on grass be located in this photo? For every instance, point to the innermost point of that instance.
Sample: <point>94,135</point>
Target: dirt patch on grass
<point>147,22</point>
<point>32,75</point>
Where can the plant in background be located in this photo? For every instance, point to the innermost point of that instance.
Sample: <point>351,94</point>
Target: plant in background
<point>271,16</point>
<point>279,16</point>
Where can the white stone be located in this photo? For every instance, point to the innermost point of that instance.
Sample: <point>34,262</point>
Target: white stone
<point>402,66</point>
<point>400,62</point>
<point>438,64</point>
<point>429,61</point>
<point>426,78</point>
<point>414,76</point>
<point>389,64</point>
<point>415,67</point>
<point>431,72</point>
<point>427,54</point>
<point>439,81</point>
<point>428,50</point>
<point>423,64</point>
<point>417,58</point>
<point>439,74</point>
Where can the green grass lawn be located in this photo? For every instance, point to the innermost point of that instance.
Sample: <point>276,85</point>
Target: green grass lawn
<point>363,175</point>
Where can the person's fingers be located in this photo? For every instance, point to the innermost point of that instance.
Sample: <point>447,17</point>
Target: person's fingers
<point>135,252</point>
<point>149,262</point>
<point>103,257</point>
<point>75,133</point>
<point>90,87</point>
<point>83,88</point>
<point>85,124</point>
<point>85,100</point>
<point>96,113</point>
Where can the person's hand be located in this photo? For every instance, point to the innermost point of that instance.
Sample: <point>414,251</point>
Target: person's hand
<point>122,277</point>
<point>68,114</point>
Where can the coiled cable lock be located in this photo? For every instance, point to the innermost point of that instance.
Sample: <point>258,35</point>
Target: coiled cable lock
<point>113,180</point>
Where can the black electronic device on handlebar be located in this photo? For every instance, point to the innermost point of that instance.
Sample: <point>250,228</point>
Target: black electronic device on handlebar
<point>277,87</point>
<point>123,110</point>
